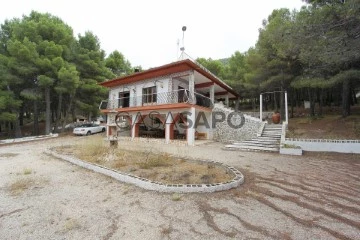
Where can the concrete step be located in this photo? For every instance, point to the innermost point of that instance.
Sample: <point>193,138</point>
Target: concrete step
<point>271,131</point>
<point>257,142</point>
<point>271,136</point>
<point>268,138</point>
<point>253,148</point>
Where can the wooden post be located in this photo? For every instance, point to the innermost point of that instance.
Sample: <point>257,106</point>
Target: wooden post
<point>261,106</point>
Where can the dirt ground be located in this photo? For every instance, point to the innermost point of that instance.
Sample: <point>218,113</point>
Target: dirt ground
<point>329,126</point>
<point>315,196</point>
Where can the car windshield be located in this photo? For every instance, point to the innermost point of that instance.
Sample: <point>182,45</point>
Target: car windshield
<point>86,125</point>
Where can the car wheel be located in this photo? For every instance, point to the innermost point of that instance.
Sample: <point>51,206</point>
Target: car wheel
<point>88,133</point>
<point>103,130</point>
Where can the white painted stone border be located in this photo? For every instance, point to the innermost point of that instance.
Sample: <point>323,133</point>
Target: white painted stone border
<point>291,151</point>
<point>321,145</point>
<point>27,139</point>
<point>157,186</point>
<point>325,145</point>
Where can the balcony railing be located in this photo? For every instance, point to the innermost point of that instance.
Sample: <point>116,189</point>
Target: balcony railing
<point>177,96</point>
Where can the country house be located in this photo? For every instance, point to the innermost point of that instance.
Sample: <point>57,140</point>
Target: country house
<point>165,102</point>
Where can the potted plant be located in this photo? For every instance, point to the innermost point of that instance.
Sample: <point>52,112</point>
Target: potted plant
<point>276,117</point>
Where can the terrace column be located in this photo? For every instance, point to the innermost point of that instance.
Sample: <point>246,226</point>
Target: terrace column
<point>134,126</point>
<point>212,93</point>
<point>191,128</point>
<point>227,100</point>
<point>192,87</point>
<point>212,99</point>
<point>168,122</point>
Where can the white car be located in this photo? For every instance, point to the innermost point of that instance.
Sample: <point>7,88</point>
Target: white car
<point>88,129</point>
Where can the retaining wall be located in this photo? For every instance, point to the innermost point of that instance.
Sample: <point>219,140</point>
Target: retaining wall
<point>325,145</point>
<point>225,133</point>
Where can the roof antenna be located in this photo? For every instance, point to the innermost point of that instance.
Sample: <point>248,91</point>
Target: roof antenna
<point>183,47</point>
<point>182,57</point>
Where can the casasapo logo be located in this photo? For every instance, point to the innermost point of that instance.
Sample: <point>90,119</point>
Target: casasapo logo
<point>126,121</point>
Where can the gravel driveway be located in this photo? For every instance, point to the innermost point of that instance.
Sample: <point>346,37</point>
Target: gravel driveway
<point>315,196</point>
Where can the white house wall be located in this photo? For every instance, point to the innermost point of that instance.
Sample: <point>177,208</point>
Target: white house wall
<point>163,84</point>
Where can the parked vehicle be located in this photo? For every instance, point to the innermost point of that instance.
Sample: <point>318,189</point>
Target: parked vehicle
<point>88,129</point>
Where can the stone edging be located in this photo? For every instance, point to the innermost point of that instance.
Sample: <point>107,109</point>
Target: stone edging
<point>321,140</point>
<point>157,186</point>
<point>28,139</point>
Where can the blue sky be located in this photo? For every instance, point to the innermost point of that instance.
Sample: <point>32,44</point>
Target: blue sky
<point>147,32</point>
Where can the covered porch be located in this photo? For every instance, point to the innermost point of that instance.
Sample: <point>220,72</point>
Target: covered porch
<point>186,124</point>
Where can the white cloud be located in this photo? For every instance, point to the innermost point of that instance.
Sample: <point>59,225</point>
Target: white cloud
<point>146,32</point>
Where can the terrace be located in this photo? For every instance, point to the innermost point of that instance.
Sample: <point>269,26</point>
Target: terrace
<point>172,97</point>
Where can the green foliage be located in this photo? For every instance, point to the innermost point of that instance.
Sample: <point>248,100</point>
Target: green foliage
<point>41,58</point>
<point>90,62</point>
<point>214,66</point>
<point>118,65</point>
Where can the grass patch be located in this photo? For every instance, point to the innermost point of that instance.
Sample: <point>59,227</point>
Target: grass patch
<point>159,167</point>
<point>20,185</point>
<point>155,160</point>
<point>291,146</point>
<point>176,197</point>
<point>71,224</point>
<point>165,231</point>
<point>27,171</point>
<point>23,184</point>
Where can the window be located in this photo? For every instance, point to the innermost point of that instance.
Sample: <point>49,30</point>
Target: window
<point>149,95</point>
<point>124,99</point>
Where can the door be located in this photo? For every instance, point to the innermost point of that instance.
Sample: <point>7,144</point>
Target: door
<point>124,99</point>
<point>181,94</point>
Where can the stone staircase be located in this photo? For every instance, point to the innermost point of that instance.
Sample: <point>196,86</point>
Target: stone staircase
<point>268,141</point>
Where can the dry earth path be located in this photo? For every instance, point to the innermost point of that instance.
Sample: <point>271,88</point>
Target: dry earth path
<point>316,196</point>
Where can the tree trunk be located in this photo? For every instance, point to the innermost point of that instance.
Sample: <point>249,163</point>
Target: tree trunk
<point>293,99</point>
<point>36,118</point>
<point>21,115</point>
<point>354,96</point>
<point>58,113</point>
<point>346,98</point>
<point>67,112</point>
<point>312,102</point>
<point>275,103</point>
<point>47,111</point>
<point>17,127</point>
<point>321,102</point>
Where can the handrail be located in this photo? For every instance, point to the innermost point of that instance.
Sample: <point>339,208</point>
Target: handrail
<point>176,96</point>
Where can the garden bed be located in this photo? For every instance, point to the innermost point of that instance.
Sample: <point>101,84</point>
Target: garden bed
<point>157,167</point>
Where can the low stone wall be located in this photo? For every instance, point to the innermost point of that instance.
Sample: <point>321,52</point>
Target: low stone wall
<point>157,186</point>
<point>28,139</point>
<point>225,133</point>
<point>265,115</point>
<point>325,145</point>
